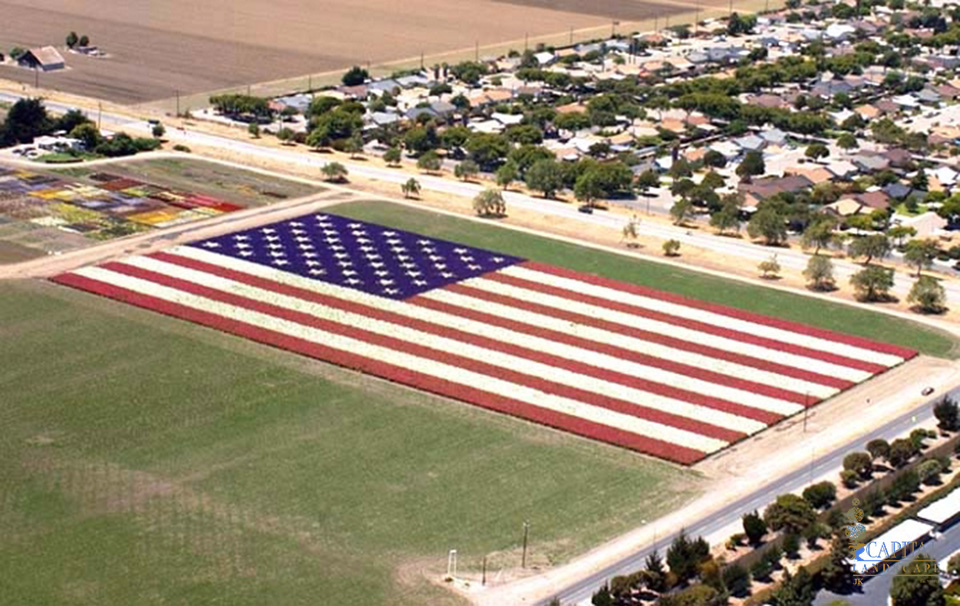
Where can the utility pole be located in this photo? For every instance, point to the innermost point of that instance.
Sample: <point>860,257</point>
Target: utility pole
<point>526,46</point>
<point>476,51</point>
<point>100,113</point>
<point>731,7</point>
<point>526,531</point>
<point>806,409</point>
<point>483,577</point>
<point>571,35</point>
<point>36,77</point>
<point>178,102</point>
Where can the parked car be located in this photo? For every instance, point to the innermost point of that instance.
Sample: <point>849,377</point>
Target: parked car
<point>927,391</point>
<point>586,209</point>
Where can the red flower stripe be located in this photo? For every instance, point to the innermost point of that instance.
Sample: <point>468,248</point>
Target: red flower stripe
<point>733,312</point>
<point>644,444</point>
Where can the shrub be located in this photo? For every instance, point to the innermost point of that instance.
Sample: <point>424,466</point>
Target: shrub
<point>754,527</point>
<point>820,495</point>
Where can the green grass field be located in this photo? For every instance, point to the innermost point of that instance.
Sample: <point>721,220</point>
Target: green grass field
<point>145,460</point>
<point>816,312</point>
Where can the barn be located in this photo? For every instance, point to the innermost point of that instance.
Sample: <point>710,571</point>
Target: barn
<point>44,58</point>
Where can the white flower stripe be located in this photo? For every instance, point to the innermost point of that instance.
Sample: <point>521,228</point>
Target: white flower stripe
<point>638,397</point>
<point>708,317</point>
<point>815,390</point>
<point>426,366</point>
<point>655,326</point>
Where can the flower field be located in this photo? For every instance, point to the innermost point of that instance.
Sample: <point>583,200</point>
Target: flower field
<point>109,207</point>
<point>655,372</point>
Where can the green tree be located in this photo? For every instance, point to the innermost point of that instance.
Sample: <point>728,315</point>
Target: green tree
<point>334,172</point>
<point>899,233</point>
<point>714,158</point>
<point>489,203</point>
<point>671,248</point>
<point>685,556</point>
<point>158,131</point>
<point>795,590</point>
<point>698,595</point>
<point>820,495</point>
<point>861,463</point>
<point>878,448</point>
<point>602,597</point>
<point>769,224</point>
<point>681,210</point>
<point>420,139</point>
<point>918,584</point>
<point>790,513</point>
<point>254,129</point>
<point>545,176</point>
<point>466,170</point>
<point>815,151</point>
<point>89,136</point>
<point>354,76</point>
<point>847,141</point>
<point>737,580</point>
<point>837,574</point>
<point>752,165</point>
<point>947,413</point>
<point>819,272</point>
<point>84,40</point>
<point>72,39</point>
<point>392,156</point>
<point>728,215</point>
<point>410,188</point>
<point>754,527</point>
<point>507,174</point>
<point>930,471</point>
<point>875,246</point>
<point>429,162</point>
<point>921,253</point>
<point>26,119</point>
<point>819,233</point>
<point>901,451</point>
<point>285,135</point>
<point>354,145</point>
<point>872,283</point>
<point>647,179</point>
<point>487,150</point>
<point>656,575</point>
<point>927,295</point>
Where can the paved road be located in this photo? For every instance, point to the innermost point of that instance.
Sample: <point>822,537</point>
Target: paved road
<point>581,592</point>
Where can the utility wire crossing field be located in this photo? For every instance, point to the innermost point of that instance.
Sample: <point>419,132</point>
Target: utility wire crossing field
<point>655,372</point>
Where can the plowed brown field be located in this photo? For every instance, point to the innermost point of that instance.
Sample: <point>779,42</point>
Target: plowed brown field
<point>159,48</point>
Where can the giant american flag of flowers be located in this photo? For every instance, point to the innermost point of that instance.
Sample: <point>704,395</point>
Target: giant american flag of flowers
<point>665,375</point>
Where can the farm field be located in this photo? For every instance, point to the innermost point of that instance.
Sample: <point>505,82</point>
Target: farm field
<point>147,460</point>
<point>158,49</point>
<point>53,212</point>
<point>767,301</point>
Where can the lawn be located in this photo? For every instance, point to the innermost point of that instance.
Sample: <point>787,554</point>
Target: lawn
<point>234,184</point>
<point>145,460</point>
<point>816,312</point>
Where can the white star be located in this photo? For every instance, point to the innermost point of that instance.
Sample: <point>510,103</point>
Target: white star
<point>296,223</point>
<point>446,274</point>
<point>391,291</point>
<point>413,273</point>
<point>280,262</point>
<point>309,254</point>
<point>242,245</point>
<point>317,272</point>
<point>389,233</point>
<point>344,263</point>
<point>474,267</point>
<point>245,253</point>
<point>376,264</point>
<point>459,251</point>
<point>353,281</point>
<point>419,282</point>
<point>311,262</point>
<point>382,273</point>
<point>497,259</point>
<point>349,272</point>
<point>341,255</point>
<point>211,245</point>
<point>277,253</point>
<point>268,230</point>
<point>386,281</point>
<point>241,237</point>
